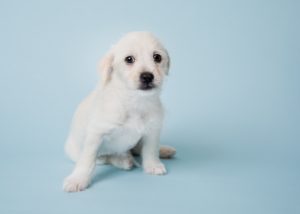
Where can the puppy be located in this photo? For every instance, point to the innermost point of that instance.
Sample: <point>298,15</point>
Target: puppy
<point>123,115</point>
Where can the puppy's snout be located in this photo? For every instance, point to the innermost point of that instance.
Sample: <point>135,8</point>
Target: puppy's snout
<point>146,77</point>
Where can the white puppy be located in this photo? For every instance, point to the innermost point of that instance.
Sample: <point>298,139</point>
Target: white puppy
<point>124,114</point>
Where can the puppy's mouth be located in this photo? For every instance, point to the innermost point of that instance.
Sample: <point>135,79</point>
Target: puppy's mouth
<point>146,86</point>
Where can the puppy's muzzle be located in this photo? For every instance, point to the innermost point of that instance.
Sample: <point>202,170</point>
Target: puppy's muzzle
<point>146,79</point>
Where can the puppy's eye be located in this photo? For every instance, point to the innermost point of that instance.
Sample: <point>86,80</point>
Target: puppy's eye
<point>129,59</point>
<point>157,58</point>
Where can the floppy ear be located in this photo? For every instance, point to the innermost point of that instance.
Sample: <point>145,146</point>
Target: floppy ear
<point>168,62</point>
<point>106,68</point>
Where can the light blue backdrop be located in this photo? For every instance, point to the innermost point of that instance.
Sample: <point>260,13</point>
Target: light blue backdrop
<point>232,100</point>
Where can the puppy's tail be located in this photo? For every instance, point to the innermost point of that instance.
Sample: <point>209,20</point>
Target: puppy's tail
<point>166,152</point>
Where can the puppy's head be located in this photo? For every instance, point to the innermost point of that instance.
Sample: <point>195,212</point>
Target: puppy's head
<point>138,61</point>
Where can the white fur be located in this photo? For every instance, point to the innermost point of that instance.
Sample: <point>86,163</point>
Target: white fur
<point>118,115</point>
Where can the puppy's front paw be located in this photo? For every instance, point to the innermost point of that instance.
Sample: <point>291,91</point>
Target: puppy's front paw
<point>155,168</point>
<point>75,183</point>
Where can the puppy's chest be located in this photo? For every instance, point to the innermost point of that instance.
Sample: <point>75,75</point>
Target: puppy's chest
<point>125,136</point>
<point>134,124</point>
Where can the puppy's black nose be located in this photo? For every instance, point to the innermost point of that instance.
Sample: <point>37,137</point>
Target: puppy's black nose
<point>146,77</point>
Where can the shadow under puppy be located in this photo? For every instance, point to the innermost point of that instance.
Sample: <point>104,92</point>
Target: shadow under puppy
<point>124,114</point>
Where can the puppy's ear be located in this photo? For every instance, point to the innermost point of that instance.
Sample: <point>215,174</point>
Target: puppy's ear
<point>106,68</point>
<point>168,63</point>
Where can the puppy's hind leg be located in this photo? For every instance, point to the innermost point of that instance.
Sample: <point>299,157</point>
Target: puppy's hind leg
<point>123,161</point>
<point>165,152</point>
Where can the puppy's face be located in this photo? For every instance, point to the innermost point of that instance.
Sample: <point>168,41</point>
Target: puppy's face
<point>139,61</point>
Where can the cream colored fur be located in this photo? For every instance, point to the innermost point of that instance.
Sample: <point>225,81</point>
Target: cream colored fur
<point>118,118</point>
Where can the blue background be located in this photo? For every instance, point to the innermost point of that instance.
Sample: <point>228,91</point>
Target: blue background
<point>232,100</point>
